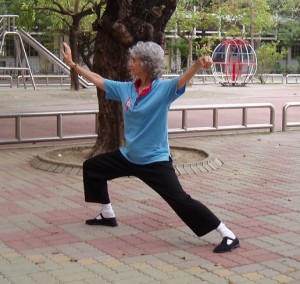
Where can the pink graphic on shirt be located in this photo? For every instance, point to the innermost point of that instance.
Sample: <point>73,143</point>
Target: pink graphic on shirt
<point>127,105</point>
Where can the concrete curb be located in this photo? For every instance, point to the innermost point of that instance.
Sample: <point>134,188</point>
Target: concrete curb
<point>44,162</point>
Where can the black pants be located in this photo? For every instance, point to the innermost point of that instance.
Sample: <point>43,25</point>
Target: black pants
<point>160,176</point>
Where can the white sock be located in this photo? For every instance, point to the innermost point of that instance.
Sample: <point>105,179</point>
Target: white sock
<point>225,232</point>
<point>107,211</point>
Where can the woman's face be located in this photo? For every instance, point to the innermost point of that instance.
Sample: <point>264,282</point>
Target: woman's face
<point>135,67</point>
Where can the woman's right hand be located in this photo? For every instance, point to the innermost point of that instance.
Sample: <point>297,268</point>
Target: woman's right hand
<point>67,55</point>
<point>86,73</point>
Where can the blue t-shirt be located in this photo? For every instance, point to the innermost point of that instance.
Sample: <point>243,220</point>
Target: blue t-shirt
<point>145,118</point>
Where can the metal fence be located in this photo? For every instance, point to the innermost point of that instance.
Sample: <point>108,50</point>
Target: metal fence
<point>216,123</point>
<point>6,81</point>
<point>47,80</point>
<point>64,80</point>
<point>285,123</point>
<point>60,124</point>
<point>293,78</point>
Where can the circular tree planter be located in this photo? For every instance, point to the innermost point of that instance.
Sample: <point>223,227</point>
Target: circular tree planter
<point>70,159</point>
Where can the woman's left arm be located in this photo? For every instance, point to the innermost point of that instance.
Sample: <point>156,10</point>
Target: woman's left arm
<point>201,63</point>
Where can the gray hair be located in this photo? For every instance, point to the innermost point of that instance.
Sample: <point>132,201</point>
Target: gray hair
<point>151,56</point>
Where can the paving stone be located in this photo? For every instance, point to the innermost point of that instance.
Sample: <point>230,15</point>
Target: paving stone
<point>43,277</point>
<point>282,278</point>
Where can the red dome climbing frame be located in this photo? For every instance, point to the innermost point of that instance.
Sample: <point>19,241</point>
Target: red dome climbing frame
<point>234,62</point>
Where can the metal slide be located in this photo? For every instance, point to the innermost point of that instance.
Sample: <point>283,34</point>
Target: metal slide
<point>50,56</point>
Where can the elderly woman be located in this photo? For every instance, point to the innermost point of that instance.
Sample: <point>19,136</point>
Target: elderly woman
<point>146,154</point>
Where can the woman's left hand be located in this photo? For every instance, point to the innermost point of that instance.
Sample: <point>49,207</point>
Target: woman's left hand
<point>205,62</point>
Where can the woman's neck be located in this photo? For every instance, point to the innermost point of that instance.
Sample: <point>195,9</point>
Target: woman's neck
<point>145,81</point>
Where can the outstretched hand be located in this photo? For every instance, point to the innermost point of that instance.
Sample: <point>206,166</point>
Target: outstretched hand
<point>205,61</point>
<point>67,54</point>
<point>93,77</point>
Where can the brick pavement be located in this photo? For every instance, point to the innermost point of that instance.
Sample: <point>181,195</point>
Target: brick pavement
<point>43,238</point>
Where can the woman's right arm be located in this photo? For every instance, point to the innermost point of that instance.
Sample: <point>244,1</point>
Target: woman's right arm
<point>89,75</point>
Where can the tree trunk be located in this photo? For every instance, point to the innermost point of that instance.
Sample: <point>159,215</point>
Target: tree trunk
<point>123,24</point>
<point>73,39</point>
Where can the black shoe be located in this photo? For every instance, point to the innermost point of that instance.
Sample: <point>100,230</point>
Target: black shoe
<point>224,247</point>
<point>111,222</point>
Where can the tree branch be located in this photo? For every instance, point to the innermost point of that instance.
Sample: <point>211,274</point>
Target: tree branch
<point>61,8</point>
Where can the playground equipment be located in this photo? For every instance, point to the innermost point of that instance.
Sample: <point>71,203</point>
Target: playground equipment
<point>234,62</point>
<point>8,28</point>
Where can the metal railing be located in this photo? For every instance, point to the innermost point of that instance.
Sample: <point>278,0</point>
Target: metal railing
<point>202,78</point>
<point>40,80</point>
<point>285,123</point>
<point>170,76</point>
<point>205,78</point>
<point>6,78</point>
<point>216,126</point>
<point>296,78</point>
<point>18,123</point>
<point>274,78</point>
<point>47,80</point>
<point>269,78</point>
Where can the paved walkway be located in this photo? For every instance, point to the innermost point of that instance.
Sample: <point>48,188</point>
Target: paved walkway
<point>256,192</point>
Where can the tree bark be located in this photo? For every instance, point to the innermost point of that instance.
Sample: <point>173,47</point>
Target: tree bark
<point>73,39</point>
<point>123,24</point>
